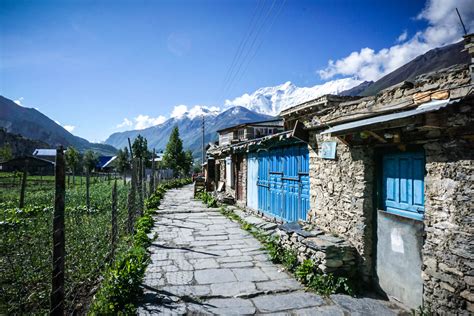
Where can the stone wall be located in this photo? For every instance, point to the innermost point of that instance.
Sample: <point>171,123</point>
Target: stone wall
<point>330,254</point>
<point>341,196</point>
<point>448,252</point>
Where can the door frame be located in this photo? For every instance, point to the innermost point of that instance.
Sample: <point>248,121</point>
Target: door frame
<point>377,201</point>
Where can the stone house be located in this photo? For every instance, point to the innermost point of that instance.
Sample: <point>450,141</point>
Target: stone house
<point>390,175</point>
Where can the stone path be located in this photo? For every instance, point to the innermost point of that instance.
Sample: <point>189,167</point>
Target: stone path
<point>203,263</point>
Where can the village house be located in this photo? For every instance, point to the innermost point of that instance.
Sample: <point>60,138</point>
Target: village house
<point>228,169</point>
<point>389,174</point>
<point>47,154</point>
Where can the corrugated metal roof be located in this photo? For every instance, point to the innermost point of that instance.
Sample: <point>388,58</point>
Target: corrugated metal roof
<point>424,108</point>
<point>45,152</point>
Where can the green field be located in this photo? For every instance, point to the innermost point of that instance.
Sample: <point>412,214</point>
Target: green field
<point>26,243</point>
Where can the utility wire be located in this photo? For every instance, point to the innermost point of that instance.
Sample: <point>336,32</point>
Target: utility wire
<point>256,37</point>
<point>242,44</point>
<point>261,42</point>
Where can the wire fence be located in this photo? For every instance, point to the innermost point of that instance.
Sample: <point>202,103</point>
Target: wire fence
<point>92,235</point>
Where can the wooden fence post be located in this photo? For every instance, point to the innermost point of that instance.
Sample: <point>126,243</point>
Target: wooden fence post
<point>23,189</point>
<point>152,177</point>
<point>114,218</point>
<point>57,291</point>
<point>88,199</point>
<point>140,187</point>
<point>132,197</point>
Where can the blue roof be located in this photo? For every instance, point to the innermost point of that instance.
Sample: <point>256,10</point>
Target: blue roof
<point>103,160</point>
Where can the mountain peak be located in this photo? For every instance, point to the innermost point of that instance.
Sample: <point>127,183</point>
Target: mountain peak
<point>272,100</point>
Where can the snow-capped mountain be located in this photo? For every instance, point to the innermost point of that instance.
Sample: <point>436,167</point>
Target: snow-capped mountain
<point>272,100</point>
<point>181,111</point>
<point>189,123</point>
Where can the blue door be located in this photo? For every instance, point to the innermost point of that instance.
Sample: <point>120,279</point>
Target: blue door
<point>303,174</point>
<point>403,184</point>
<point>263,182</point>
<point>283,182</point>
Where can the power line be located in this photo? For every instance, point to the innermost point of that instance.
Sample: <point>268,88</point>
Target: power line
<point>254,41</point>
<point>242,45</point>
<point>261,42</point>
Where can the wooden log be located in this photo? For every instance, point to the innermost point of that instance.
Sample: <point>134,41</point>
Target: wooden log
<point>23,189</point>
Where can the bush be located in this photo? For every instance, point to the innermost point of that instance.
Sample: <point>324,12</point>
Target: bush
<point>275,251</point>
<point>323,284</point>
<point>305,271</point>
<point>327,284</point>
<point>122,282</point>
<point>208,199</point>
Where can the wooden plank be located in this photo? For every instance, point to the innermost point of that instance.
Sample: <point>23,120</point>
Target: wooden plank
<point>343,140</point>
<point>376,136</point>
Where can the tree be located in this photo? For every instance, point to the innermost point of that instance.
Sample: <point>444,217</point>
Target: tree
<point>123,163</point>
<point>174,157</point>
<point>90,160</point>
<point>140,148</point>
<point>72,162</point>
<point>6,152</point>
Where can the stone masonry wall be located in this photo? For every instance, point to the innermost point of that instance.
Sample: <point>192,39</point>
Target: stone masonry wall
<point>448,252</point>
<point>330,254</point>
<point>243,199</point>
<point>341,196</point>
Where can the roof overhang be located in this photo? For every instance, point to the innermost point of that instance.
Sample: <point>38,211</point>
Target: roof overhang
<point>364,123</point>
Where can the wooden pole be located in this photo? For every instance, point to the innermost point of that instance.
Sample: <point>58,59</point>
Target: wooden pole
<point>114,218</point>
<point>57,291</point>
<point>88,200</point>
<point>152,177</point>
<point>132,197</point>
<point>23,189</point>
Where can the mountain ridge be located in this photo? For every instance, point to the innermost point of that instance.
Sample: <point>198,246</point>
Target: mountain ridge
<point>189,128</point>
<point>32,124</point>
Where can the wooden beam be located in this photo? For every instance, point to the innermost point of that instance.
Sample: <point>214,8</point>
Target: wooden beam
<point>343,140</point>
<point>377,136</point>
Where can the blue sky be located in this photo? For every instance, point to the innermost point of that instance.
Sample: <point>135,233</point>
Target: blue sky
<point>90,64</point>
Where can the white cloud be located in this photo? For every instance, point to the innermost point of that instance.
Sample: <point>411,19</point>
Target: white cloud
<point>18,101</point>
<point>126,123</point>
<point>69,128</point>
<point>144,121</point>
<point>403,37</point>
<point>179,111</point>
<point>443,28</point>
<point>199,110</point>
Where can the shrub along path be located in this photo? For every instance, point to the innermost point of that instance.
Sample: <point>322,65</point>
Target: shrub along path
<point>202,262</point>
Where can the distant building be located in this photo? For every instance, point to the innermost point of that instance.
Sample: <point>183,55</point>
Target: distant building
<point>106,163</point>
<point>158,158</point>
<point>48,154</point>
<point>33,165</point>
<point>247,131</point>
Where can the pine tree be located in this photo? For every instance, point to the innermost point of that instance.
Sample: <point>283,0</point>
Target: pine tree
<point>174,156</point>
